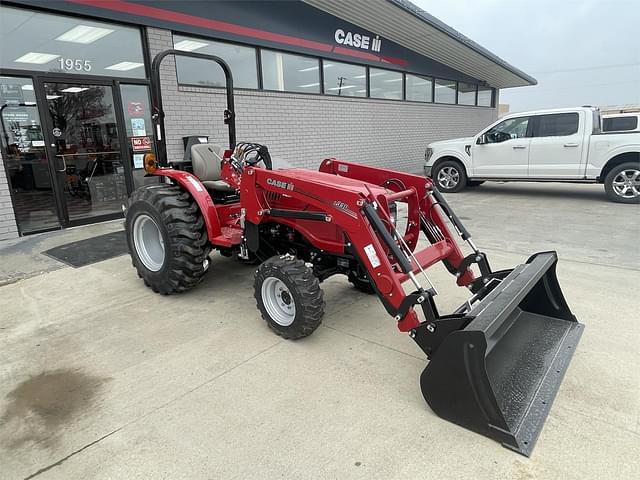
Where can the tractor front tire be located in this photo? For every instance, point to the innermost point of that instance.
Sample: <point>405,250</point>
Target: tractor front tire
<point>289,297</point>
<point>167,238</point>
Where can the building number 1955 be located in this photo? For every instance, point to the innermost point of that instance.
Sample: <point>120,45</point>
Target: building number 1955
<point>75,64</point>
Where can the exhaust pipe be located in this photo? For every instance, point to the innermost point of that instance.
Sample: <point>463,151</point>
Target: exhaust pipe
<point>499,375</point>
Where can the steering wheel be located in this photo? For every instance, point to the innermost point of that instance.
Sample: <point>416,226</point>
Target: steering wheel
<point>250,154</point>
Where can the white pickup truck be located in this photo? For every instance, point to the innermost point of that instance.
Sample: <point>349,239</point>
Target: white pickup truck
<point>560,145</point>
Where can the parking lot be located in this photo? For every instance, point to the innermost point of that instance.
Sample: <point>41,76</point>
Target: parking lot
<point>101,378</point>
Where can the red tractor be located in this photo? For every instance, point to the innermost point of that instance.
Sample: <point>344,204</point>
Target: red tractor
<point>496,362</point>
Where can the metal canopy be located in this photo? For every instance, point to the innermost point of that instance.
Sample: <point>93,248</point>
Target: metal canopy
<point>411,27</point>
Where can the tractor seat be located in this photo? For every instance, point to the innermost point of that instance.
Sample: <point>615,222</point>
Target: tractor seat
<point>206,159</point>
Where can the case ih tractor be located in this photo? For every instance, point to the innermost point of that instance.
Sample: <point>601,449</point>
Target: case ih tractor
<point>495,363</point>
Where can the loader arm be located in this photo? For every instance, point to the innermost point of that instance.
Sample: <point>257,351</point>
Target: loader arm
<point>361,211</point>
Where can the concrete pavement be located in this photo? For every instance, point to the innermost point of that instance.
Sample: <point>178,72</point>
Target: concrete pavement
<point>101,378</point>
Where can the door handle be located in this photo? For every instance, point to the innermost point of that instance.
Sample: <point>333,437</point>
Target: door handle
<point>64,162</point>
<point>519,147</point>
<point>570,144</point>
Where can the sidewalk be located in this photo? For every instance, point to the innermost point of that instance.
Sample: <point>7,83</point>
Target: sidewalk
<point>22,258</point>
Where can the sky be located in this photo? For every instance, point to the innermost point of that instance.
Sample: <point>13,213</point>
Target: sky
<point>582,52</point>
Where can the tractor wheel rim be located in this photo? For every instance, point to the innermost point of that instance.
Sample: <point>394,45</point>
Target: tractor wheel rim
<point>448,177</point>
<point>148,242</point>
<point>627,183</point>
<point>278,301</point>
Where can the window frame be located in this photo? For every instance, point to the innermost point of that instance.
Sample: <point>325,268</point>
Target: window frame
<point>536,124</point>
<point>528,133</point>
<point>424,77</point>
<point>255,48</point>
<point>285,52</point>
<point>402,88</point>
<point>455,91</point>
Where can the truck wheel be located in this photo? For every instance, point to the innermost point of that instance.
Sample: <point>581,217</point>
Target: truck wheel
<point>289,297</point>
<point>450,176</point>
<point>622,184</point>
<point>167,238</point>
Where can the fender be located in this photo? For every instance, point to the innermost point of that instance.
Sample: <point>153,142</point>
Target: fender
<point>196,189</point>
<point>462,158</point>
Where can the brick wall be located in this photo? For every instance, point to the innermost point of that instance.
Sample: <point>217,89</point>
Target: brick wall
<point>8,227</point>
<point>304,129</point>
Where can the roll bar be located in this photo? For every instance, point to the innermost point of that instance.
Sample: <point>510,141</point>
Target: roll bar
<point>156,99</point>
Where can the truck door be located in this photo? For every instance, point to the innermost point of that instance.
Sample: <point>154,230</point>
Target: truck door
<point>556,145</point>
<point>503,150</point>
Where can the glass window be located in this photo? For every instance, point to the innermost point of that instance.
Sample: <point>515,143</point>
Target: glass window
<point>445,91</point>
<point>385,84</point>
<point>192,71</point>
<point>620,124</point>
<point>137,122</point>
<point>25,157</point>
<point>557,125</point>
<point>290,73</point>
<point>344,79</point>
<point>466,93</point>
<point>485,97</point>
<point>419,89</point>
<point>53,43</point>
<point>508,129</point>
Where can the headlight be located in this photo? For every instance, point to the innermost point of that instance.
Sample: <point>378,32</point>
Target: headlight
<point>428,153</point>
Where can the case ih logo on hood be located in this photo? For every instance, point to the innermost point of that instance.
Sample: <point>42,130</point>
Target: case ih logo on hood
<point>279,183</point>
<point>358,40</point>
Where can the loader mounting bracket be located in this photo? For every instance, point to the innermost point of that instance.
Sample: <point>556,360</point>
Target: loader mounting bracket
<point>430,334</point>
<point>478,257</point>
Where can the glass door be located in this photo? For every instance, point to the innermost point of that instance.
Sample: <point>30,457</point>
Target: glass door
<point>25,157</point>
<point>85,142</point>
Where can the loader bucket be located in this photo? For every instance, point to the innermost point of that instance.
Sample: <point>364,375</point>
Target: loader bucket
<point>499,375</point>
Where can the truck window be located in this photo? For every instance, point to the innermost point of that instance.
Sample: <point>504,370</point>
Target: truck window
<point>508,129</point>
<point>619,124</point>
<point>557,125</point>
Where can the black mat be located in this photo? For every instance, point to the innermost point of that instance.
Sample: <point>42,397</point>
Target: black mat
<point>91,250</point>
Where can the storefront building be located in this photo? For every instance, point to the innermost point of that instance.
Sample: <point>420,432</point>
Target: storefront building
<point>370,82</point>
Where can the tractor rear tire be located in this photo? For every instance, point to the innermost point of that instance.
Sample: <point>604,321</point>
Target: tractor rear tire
<point>167,238</point>
<point>289,297</point>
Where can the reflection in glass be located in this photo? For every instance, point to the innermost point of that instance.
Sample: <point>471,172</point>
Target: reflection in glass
<point>87,148</point>
<point>445,91</point>
<point>344,79</point>
<point>466,93</point>
<point>485,97</point>
<point>55,43</point>
<point>385,84</point>
<point>419,89</point>
<point>290,73</point>
<point>206,73</point>
<point>25,157</point>
<point>135,105</point>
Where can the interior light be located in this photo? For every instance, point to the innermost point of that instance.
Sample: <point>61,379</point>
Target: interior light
<point>27,87</point>
<point>327,65</point>
<point>74,89</point>
<point>309,85</point>
<point>189,45</point>
<point>53,97</point>
<point>361,91</point>
<point>37,58</point>
<point>84,34</point>
<point>394,80</point>
<point>124,66</point>
<point>309,69</point>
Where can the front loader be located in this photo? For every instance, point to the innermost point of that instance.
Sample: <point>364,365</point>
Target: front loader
<point>495,363</point>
